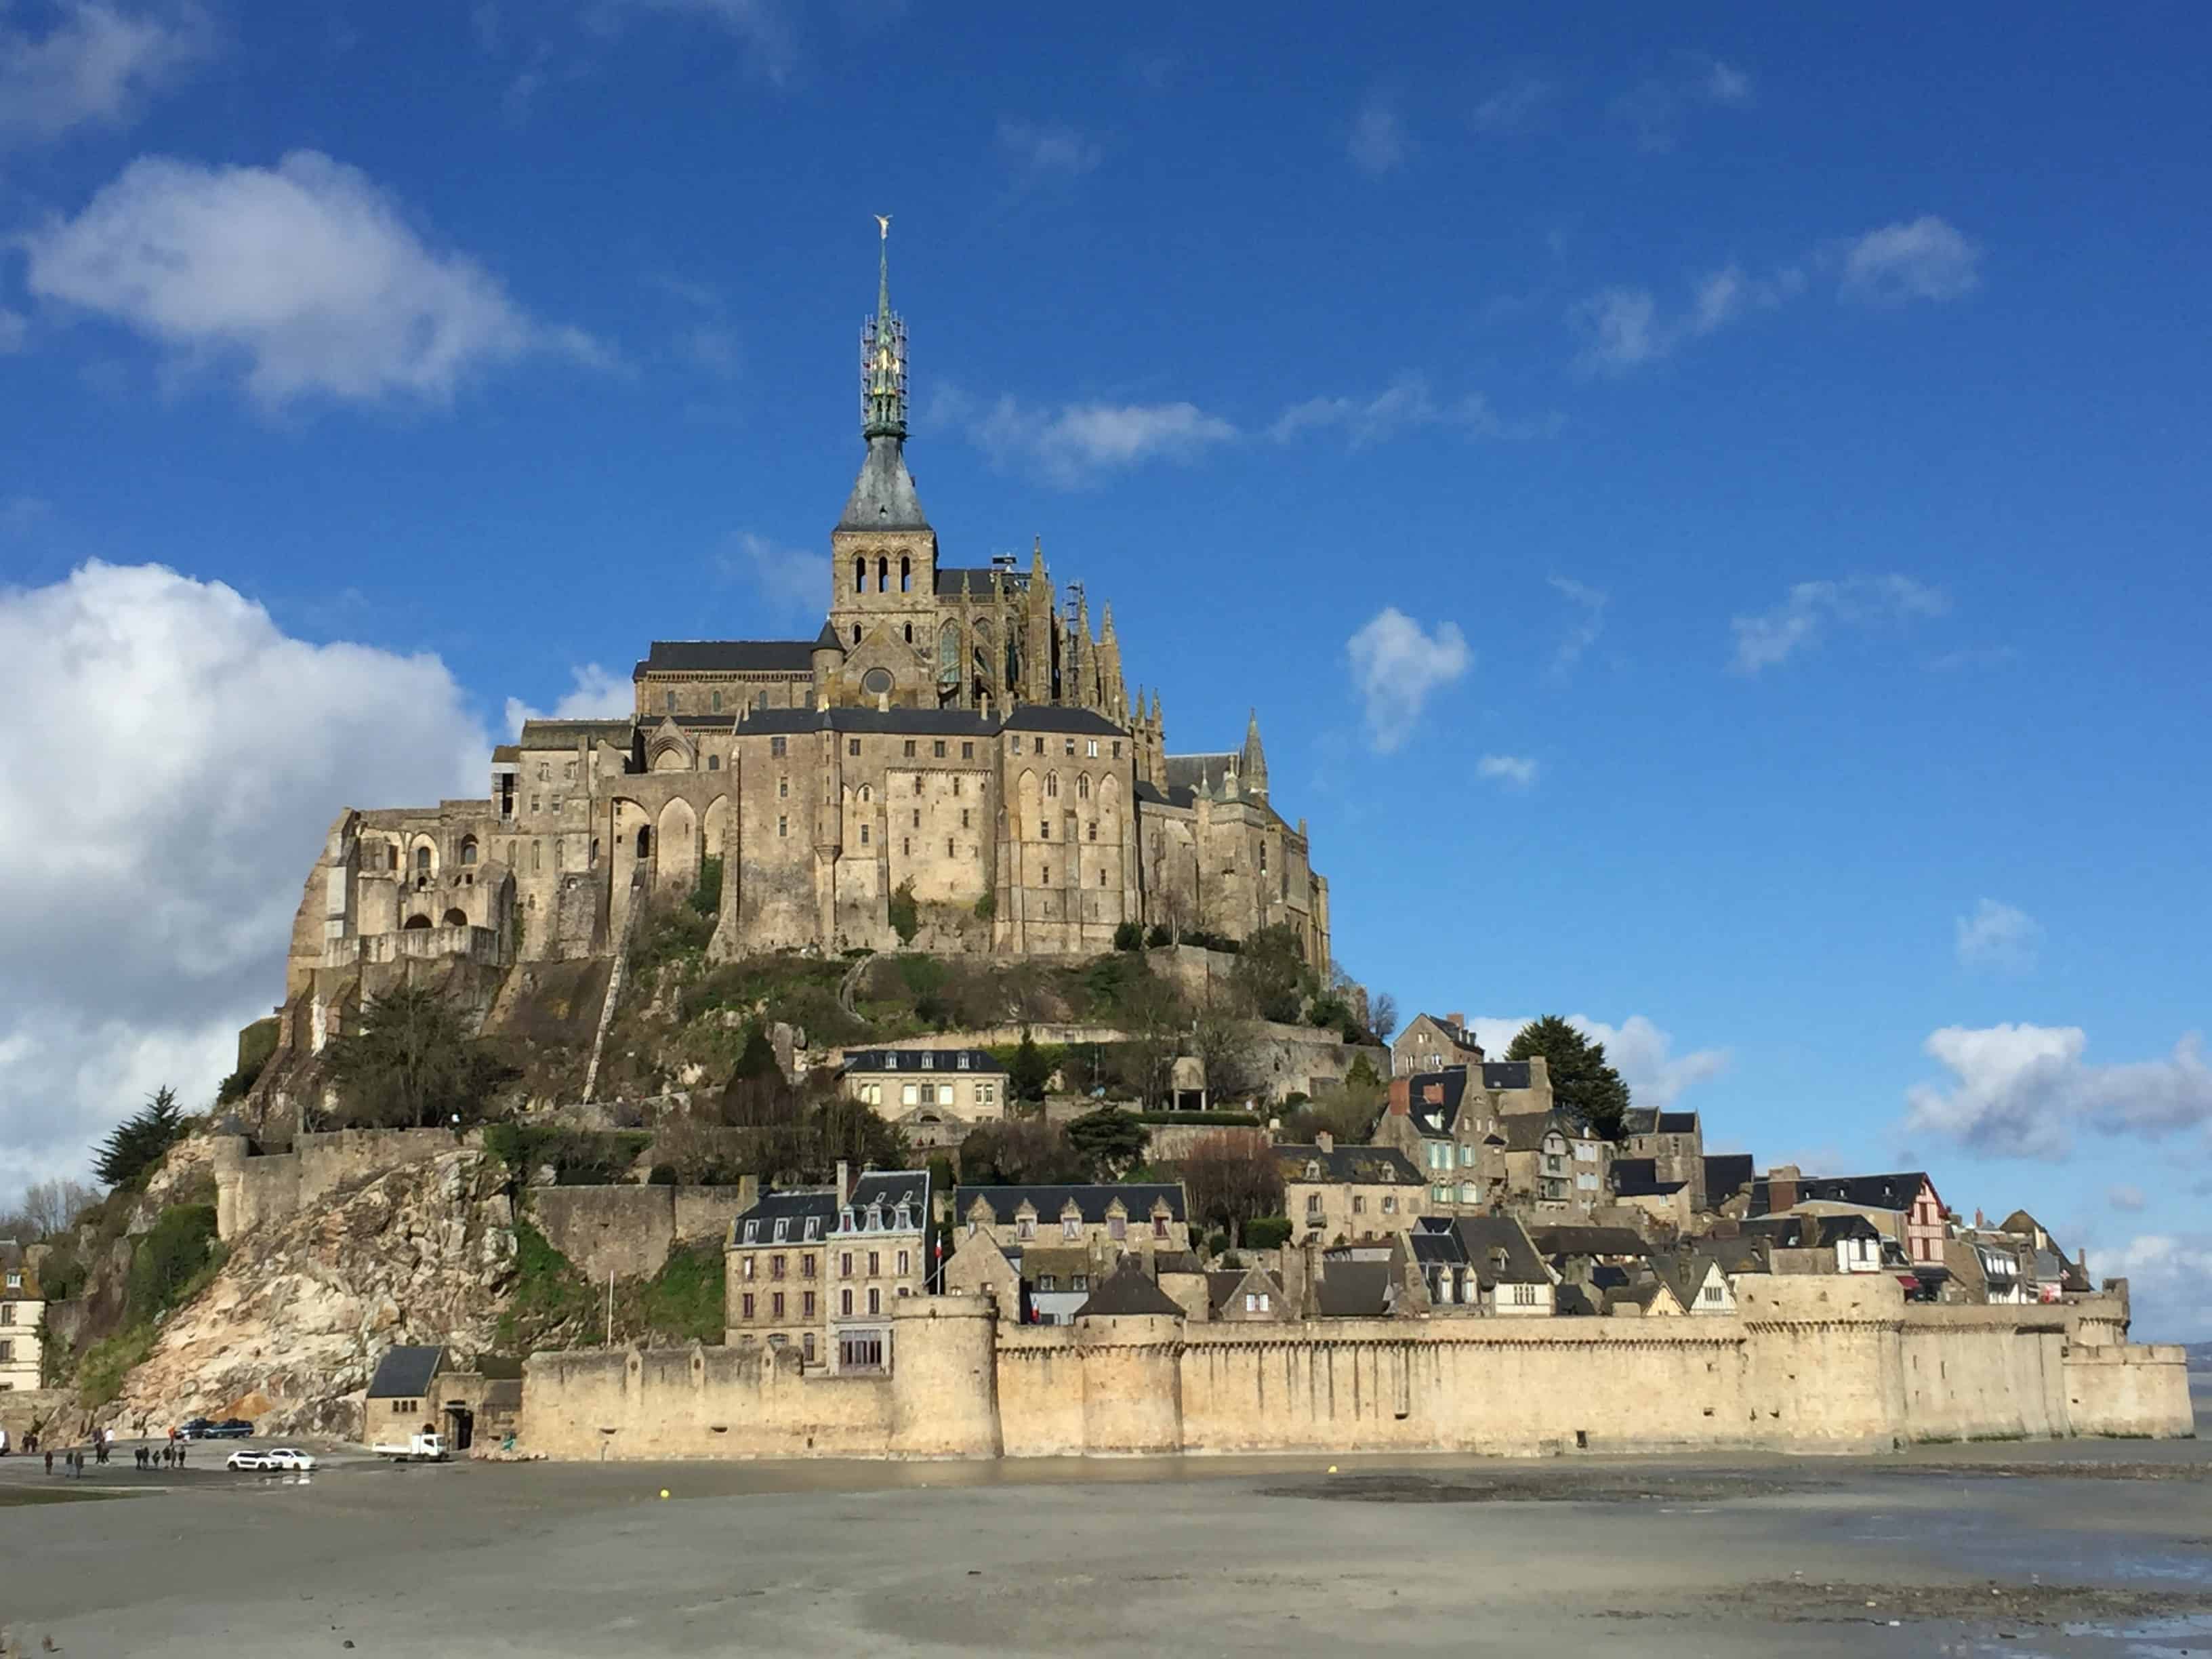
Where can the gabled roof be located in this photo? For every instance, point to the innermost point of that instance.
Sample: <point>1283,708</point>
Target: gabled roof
<point>1224,1284</point>
<point>1742,1255</point>
<point>1873,1192</point>
<point>1685,1271</point>
<point>1500,1250</point>
<point>883,1188</point>
<point>1458,1036</point>
<point>1432,1099</point>
<point>1354,1290</point>
<point>1524,1132</point>
<point>1726,1174</point>
<point>1128,1289</point>
<point>1644,1121</point>
<point>1443,1248</point>
<point>727,657</point>
<point>1507,1074</point>
<point>405,1373</point>
<point>1092,1202</point>
<point>1638,1178</point>
<point>1362,1166</point>
<point>1809,1232</point>
<point>924,1060</point>
<point>1572,1240</point>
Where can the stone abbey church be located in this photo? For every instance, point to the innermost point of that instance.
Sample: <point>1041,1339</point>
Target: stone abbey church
<point>954,735</point>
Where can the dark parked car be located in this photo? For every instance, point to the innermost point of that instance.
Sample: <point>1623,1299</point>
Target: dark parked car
<point>195,1428</point>
<point>233,1428</point>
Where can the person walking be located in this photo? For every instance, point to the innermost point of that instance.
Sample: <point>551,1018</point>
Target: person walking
<point>50,1462</point>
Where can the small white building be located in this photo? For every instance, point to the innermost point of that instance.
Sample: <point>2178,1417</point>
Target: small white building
<point>22,1312</point>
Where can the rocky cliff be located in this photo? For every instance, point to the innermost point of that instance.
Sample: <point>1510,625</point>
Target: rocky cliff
<point>289,1330</point>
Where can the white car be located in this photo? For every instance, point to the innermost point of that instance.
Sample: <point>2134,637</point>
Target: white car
<point>278,1458</point>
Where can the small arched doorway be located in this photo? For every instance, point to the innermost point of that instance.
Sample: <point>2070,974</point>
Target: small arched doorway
<point>457,918</point>
<point>415,921</point>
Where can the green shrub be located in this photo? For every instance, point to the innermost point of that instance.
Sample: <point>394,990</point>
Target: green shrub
<point>172,1262</point>
<point>549,1292</point>
<point>99,1375</point>
<point>579,1157</point>
<point>987,907</point>
<point>1159,937</point>
<point>1208,1119</point>
<point>685,1299</point>
<point>1216,1242</point>
<point>706,896</point>
<point>1129,936</point>
<point>905,914</point>
<point>1267,1232</point>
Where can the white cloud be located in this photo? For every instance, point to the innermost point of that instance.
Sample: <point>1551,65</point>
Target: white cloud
<point>1077,444</point>
<point>1395,667</point>
<point>1513,771</point>
<point>1623,328</point>
<point>1405,404</point>
<point>1378,142</point>
<point>1771,637</point>
<point>1591,603</point>
<point>790,578</point>
<point>151,859</point>
<point>2169,1283</point>
<point>762,25</point>
<point>1040,150</point>
<point>2021,1091</point>
<point>594,694</point>
<point>1640,1051</point>
<point>2121,1196</point>
<point>96,66</point>
<point>1656,108</point>
<point>1515,105</point>
<point>307,274</point>
<point>1998,936</point>
<point>1926,259</point>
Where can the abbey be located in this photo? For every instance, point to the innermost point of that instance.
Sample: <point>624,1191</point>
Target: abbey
<point>955,751</point>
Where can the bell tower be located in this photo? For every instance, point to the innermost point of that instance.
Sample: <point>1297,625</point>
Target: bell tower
<point>883,565</point>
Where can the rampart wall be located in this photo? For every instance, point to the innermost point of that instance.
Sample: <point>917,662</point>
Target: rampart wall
<point>629,1230</point>
<point>249,1190</point>
<point>1805,1364</point>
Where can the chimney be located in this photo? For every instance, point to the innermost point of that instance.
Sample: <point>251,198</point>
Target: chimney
<point>748,1192</point>
<point>844,1181</point>
<point>1458,1022</point>
<point>1325,1141</point>
<point>1979,1221</point>
<point>1402,1091</point>
<point>1782,1187</point>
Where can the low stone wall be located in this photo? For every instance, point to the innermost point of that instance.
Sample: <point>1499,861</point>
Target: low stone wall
<point>251,1190</point>
<point>628,1231</point>
<point>2130,1392</point>
<point>1806,1365</point>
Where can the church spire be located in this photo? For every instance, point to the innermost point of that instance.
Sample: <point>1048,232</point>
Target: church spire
<point>882,353</point>
<point>1254,761</point>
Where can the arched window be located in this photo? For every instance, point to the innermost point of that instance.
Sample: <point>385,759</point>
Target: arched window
<point>595,852</point>
<point>860,576</point>
<point>418,922</point>
<point>716,703</point>
<point>468,849</point>
<point>910,633</point>
<point>645,841</point>
<point>856,633</point>
<point>1052,785</point>
<point>536,855</point>
<point>422,860</point>
<point>544,772</point>
<point>906,575</point>
<point>714,762</point>
<point>391,856</point>
<point>457,918</point>
<point>865,794</point>
<point>1083,787</point>
<point>883,575</point>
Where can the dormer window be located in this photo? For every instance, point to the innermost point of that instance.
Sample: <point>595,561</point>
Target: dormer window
<point>845,1221</point>
<point>1313,1170</point>
<point>781,1228</point>
<point>1071,1226</point>
<point>903,1219</point>
<point>961,1062</point>
<point>813,1228</point>
<point>875,1217</point>
<point>753,1232</point>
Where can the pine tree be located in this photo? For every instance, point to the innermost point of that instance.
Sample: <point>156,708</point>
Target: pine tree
<point>136,1144</point>
<point>1584,1085</point>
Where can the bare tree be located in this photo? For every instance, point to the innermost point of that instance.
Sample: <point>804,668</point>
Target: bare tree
<point>1223,1040</point>
<point>49,1208</point>
<point>1233,1177</point>
<point>1383,1019</point>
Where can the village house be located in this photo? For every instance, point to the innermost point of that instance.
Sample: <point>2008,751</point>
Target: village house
<point>1623,1294</point>
<point>1797,1243</point>
<point>1676,1143</point>
<point>1579,1255</point>
<point>1333,1193</point>
<point>1904,1207</point>
<point>818,1269</point>
<point>1141,1217</point>
<point>935,1095</point>
<point>1244,1294</point>
<point>1638,1185</point>
<point>1431,1043</point>
<point>1726,1177</point>
<point>1554,1167</point>
<point>1483,1264</point>
<point>22,1314</point>
<point>1447,1123</point>
<point>1700,1284</point>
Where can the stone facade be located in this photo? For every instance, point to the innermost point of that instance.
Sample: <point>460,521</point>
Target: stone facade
<point>954,737</point>
<point>1803,1363</point>
<point>22,1309</point>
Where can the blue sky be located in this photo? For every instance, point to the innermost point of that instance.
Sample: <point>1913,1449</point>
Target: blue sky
<point>1710,506</point>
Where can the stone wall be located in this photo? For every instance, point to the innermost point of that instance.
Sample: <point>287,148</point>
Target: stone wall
<point>1805,1364</point>
<point>628,1231</point>
<point>251,1191</point>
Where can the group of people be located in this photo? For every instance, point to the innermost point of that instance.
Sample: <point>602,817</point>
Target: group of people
<point>74,1458</point>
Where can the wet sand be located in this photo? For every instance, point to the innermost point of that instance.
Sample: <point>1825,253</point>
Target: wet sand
<point>2063,1548</point>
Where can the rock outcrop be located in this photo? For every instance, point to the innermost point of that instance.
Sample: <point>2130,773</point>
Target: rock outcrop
<point>294,1321</point>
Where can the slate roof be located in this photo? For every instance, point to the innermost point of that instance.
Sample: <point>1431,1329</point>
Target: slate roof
<point>1458,1036</point>
<point>1225,1283</point>
<point>1435,1117</point>
<point>1643,1120</point>
<point>1170,797</point>
<point>1092,1202</point>
<point>1445,1246</point>
<point>1365,1166</point>
<point>1484,1236</point>
<point>1726,1173</point>
<point>906,722</point>
<point>1524,1132</point>
<point>1684,1273</point>
<point>1354,1289</point>
<point>886,1188</point>
<point>1188,771</point>
<point>1507,1074</point>
<point>1810,1232</point>
<point>566,734</point>
<point>1638,1178</point>
<point>727,657</point>
<point>1573,1240</point>
<point>404,1373</point>
<point>920,1061</point>
<point>1873,1192</point>
<point>883,495</point>
<point>1742,1255</point>
<point>1034,717</point>
<point>1128,1289</point>
<point>954,583</point>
